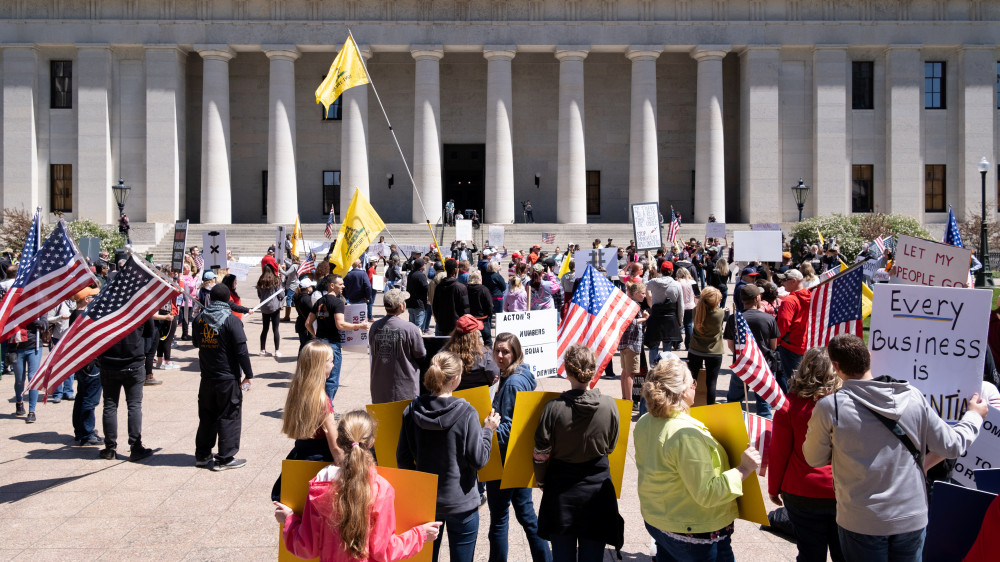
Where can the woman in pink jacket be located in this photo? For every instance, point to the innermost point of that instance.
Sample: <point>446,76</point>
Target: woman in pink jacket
<point>349,513</point>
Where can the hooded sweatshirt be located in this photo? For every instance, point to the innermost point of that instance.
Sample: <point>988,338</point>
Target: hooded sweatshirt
<point>880,488</point>
<point>576,427</point>
<point>443,436</point>
<point>521,379</point>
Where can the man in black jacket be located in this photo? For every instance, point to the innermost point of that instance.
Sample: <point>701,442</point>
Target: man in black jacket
<point>451,300</point>
<point>222,352</point>
<point>416,286</point>
<point>123,367</point>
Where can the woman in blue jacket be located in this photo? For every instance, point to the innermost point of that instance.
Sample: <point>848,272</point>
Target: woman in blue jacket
<point>515,376</point>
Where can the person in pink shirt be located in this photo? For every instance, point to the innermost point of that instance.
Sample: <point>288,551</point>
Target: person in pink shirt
<point>185,300</point>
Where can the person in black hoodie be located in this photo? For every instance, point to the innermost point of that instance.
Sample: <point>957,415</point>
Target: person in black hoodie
<point>441,435</point>
<point>123,366</point>
<point>451,300</point>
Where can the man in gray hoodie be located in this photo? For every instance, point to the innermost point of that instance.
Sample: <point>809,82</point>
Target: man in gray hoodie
<point>880,485</point>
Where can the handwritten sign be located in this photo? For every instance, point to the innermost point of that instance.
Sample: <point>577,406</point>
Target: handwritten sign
<point>646,225</point>
<point>606,258</point>
<point>770,226</point>
<point>213,243</point>
<point>934,338</point>
<point>536,330</point>
<point>355,314</point>
<point>983,453</point>
<point>715,230</point>
<point>933,264</point>
<point>463,230</point>
<point>496,235</point>
<point>240,270</point>
<point>179,243</point>
<point>757,245</point>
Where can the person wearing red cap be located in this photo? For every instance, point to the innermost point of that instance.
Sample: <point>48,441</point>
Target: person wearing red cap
<point>478,368</point>
<point>515,259</point>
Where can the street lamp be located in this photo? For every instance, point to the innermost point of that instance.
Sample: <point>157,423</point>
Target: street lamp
<point>121,192</point>
<point>801,193</point>
<point>984,277</point>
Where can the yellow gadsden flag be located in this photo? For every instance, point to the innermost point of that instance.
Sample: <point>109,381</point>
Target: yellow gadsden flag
<point>347,71</point>
<point>296,236</point>
<point>361,225</point>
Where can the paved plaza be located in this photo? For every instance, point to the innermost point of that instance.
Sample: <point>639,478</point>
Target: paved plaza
<point>60,502</point>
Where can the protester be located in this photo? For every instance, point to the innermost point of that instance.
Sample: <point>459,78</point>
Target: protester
<point>576,433</point>
<point>718,277</point>
<point>665,298</point>
<point>185,301</point>
<point>270,311</point>
<point>58,319</point>
<point>436,276</point>
<point>451,300</point>
<point>208,281</point>
<point>395,347</point>
<point>516,299</point>
<point>303,306</point>
<point>793,321</point>
<point>290,281</point>
<point>194,260</point>
<point>764,331</point>
<point>235,303</point>
<point>497,286</point>
<point>123,366</point>
<point>349,512</point>
<point>748,275</point>
<point>542,288</point>
<point>463,271</point>
<point>706,342</point>
<point>481,305</point>
<point>441,435</point>
<point>326,322</point>
<point>27,351</point>
<point>417,286</point>
<point>478,368</point>
<point>88,384</point>
<point>166,327</point>
<point>357,289</point>
<point>687,488</point>
<point>809,277</point>
<point>630,344</point>
<point>689,294</point>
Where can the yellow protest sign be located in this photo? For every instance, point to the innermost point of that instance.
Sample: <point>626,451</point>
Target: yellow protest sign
<point>725,423</point>
<point>414,507</point>
<point>519,470</point>
<point>390,421</point>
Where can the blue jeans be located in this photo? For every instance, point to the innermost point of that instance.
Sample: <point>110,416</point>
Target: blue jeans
<point>427,318</point>
<point>89,389</point>
<point>487,333</point>
<point>417,317</point>
<point>736,394</point>
<point>789,364</point>
<point>333,380</point>
<point>289,295</point>
<point>462,528</point>
<point>499,502</point>
<point>815,524</point>
<point>24,370</point>
<point>571,549</point>
<point>669,549</point>
<point>875,548</point>
<point>654,352</point>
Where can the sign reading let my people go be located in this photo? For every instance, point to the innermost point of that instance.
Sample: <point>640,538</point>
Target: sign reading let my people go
<point>933,264</point>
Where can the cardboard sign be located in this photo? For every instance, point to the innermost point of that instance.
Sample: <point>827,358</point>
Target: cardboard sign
<point>880,276</point>
<point>378,282</point>
<point>757,245</point>
<point>537,332</point>
<point>240,270</point>
<point>496,236</point>
<point>463,230</point>
<point>934,338</point>
<point>355,314</point>
<point>177,248</point>
<point>982,454</point>
<point>646,226</point>
<point>715,230</point>
<point>601,257</point>
<point>213,245</point>
<point>932,264</point>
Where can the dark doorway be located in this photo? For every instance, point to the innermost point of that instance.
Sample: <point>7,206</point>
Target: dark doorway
<point>465,176</point>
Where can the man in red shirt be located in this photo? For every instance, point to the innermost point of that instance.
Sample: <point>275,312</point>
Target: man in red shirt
<point>793,317</point>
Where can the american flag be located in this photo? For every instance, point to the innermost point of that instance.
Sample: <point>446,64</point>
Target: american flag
<point>597,317</point>
<point>831,273</point>
<point>548,238</point>
<point>328,232</point>
<point>751,367</point>
<point>835,307</point>
<point>307,266</point>
<point>56,273</point>
<point>880,244</point>
<point>675,227</point>
<point>951,235</point>
<point>759,432</point>
<point>23,272</point>
<point>123,305</point>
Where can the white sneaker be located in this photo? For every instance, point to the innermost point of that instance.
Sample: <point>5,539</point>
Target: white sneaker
<point>277,354</point>
<point>171,366</point>
<point>263,353</point>
<point>159,365</point>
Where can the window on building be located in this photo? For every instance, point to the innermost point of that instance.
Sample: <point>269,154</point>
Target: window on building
<point>62,84</point>
<point>934,188</point>
<point>61,187</point>
<point>593,192</point>
<point>862,85</point>
<point>334,113</point>
<point>331,191</point>
<point>934,85</point>
<point>862,189</point>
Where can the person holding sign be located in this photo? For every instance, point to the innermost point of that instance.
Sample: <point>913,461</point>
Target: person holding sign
<point>349,512</point>
<point>687,490</point>
<point>326,322</point>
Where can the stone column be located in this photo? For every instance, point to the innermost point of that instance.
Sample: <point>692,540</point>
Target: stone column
<point>761,191</point>
<point>282,181</point>
<point>571,181</point>
<point>831,189</point>
<point>710,160</point>
<point>427,133</point>
<point>92,195</point>
<point>643,169</point>
<point>216,188</point>
<point>20,138</point>
<point>499,138</point>
<point>904,79</point>
<point>354,142</point>
<point>164,101</point>
<point>976,83</point>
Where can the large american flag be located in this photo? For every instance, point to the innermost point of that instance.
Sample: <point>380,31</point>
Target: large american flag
<point>751,367</point>
<point>835,307</point>
<point>675,227</point>
<point>307,267</point>
<point>56,273</point>
<point>23,272</point>
<point>597,317</point>
<point>759,432</point>
<point>328,231</point>
<point>548,238</point>
<point>134,295</point>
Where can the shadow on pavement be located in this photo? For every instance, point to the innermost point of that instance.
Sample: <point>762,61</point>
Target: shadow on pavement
<point>44,437</point>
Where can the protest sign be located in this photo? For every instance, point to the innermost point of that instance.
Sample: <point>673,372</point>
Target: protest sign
<point>279,243</point>
<point>319,248</point>
<point>766,226</point>
<point>933,264</point>
<point>213,245</point>
<point>757,245</point>
<point>90,248</point>
<point>880,276</point>
<point>377,250</point>
<point>355,314</point>
<point>240,270</point>
<point>179,243</point>
<point>463,230</point>
<point>378,282</point>
<point>932,337</point>
<point>982,454</point>
<point>249,260</point>
<point>869,268</point>
<point>536,330</point>
<point>496,236</point>
<point>715,230</point>
<point>404,251</point>
<point>606,258</point>
<point>646,226</point>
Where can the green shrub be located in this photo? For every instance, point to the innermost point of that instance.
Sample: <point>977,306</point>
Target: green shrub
<point>852,231</point>
<point>16,223</point>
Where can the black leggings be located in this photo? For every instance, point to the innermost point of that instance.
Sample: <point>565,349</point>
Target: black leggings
<point>164,345</point>
<point>712,366</point>
<point>270,319</point>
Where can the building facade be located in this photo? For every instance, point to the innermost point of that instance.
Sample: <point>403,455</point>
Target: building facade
<point>207,109</point>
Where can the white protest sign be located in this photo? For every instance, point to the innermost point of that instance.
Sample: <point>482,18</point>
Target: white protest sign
<point>646,226</point>
<point>318,248</point>
<point>880,276</point>
<point>757,245</point>
<point>250,260</point>
<point>355,314</point>
<point>933,338</point>
<point>601,257</point>
<point>496,235</point>
<point>715,230</point>
<point>537,332</point>
<point>463,230</point>
<point>214,252</point>
<point>240,270</point>
<point>378,282</point>
<point>983,453</point>
<point>376,250</point>
<point>933,264</point>
<point>870,267</point>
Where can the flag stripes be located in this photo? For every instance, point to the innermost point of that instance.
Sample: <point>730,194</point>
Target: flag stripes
<point>835,307</point>
<point>751,367</point>
<point>759,432</point>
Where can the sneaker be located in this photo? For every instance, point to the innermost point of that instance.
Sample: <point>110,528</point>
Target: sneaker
<point>139,452</point>
<point>69,397</point>
<point>108,454</point>
<point>277,354</point>
<point>30,418</point>
<point>203,463</point>
<point>150,381</point>
<point>19,409</point>
<point>170,366</point>
<point>159,365</point>
<point>235,463</point>
<point>56,398</point>
<point>263,353</point>
<point>90,441</point>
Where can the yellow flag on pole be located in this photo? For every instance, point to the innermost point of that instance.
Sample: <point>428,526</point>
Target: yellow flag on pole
<point>564,268</point>
<point>347,71</point>
<point>296,236</point>
<point>821,241</point>
<point>866,301</point>
<point>361,225</point>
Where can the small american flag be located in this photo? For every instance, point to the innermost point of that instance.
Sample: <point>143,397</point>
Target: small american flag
<point>122,306</point>
<point>835,307</point>
<point>56,273</point>
<point>548,238</point>
<point>597,317</point>
<point>831,273</point>
<point>880,244</point>
<point>951,235</point>
<point>759,432</point>
<point>675,227</point>
<point>751,367</point>
<point>307,267</point>
<point>328,231</point>
<point>23,272</point>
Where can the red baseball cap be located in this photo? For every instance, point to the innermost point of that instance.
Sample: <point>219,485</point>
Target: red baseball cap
<point>516,255</point>
<point>468,323</point>
<point>667,266</point>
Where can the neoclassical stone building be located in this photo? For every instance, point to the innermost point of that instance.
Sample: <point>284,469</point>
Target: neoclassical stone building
<point>206,107</point>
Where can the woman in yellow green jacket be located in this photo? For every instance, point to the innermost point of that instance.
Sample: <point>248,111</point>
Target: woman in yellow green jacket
<point>687,490</point>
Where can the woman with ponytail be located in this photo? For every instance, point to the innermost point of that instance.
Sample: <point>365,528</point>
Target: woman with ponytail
<point>349,512</point>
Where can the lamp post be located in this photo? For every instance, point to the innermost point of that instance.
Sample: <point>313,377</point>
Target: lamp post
<point>984,277</point>
<point>801,193</point>
<point>121,192</point>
